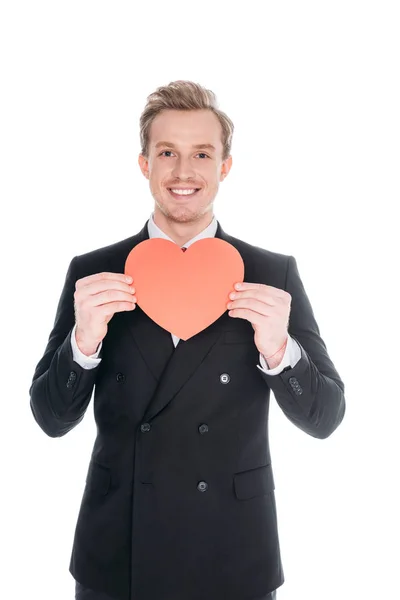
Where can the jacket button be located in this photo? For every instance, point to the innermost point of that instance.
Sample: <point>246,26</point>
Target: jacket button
<point>224,378</point>
<point>295,385</point>
<point>202,486</point>
<point>145,427</point>
<point>120,377</point>
<point>71,379</point>
<point>203,428</point>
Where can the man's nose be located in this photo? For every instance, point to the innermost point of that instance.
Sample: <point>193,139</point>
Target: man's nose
<point>183,169</point>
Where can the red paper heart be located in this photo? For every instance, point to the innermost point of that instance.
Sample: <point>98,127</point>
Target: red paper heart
<point>184,292</point>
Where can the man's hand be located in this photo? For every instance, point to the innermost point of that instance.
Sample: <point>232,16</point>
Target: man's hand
<point>268,309</point>
<point>97,298</point>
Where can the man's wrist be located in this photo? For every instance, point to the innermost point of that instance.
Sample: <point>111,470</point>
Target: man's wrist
<point>87,348</point>
<point>275,360</point>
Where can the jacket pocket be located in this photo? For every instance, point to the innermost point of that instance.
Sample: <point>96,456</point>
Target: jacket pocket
<point>99,478</point>
<point>253,483</point>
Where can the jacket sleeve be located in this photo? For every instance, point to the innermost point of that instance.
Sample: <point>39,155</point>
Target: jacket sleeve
<point>61,389</point>
<point>311,394</point>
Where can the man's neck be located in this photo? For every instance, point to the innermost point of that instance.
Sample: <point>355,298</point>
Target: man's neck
<point>181,233</point>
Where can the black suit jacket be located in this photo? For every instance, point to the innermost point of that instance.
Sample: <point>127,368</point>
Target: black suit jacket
<point>179,498</point>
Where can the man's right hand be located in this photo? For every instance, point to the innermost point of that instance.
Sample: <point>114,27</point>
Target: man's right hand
<point>97,298</point>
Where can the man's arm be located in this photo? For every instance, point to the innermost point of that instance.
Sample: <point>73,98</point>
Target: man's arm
<point>311,394</point>
<point>61,388</point>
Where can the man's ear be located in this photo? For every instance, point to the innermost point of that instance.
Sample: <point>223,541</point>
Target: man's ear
<point>226,167</point>
<point>144,165</point>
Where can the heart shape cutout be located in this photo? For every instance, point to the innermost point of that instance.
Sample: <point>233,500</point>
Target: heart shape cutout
<point>184,292</point>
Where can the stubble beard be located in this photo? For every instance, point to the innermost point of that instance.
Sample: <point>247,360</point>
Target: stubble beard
<point>182,213</point>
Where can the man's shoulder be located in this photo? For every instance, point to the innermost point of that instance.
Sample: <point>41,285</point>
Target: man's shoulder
<point>110,258</point>
<point>109,250</point>
<point>261,264</point>
<point>258,252</point>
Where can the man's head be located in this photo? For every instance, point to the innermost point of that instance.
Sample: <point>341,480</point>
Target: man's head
<point>185,144</point>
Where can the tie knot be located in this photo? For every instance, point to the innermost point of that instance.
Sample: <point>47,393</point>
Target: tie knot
<point>183,249</point>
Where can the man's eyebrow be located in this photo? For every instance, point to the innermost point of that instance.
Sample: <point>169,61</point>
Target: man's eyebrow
<point>171,145</point>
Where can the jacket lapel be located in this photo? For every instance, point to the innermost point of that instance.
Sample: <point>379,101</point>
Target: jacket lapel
<point>172,367</point>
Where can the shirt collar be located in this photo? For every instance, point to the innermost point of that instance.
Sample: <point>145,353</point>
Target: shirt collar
<point>156,232</point>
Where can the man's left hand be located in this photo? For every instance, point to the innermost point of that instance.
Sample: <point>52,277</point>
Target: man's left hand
<point>268,309</point>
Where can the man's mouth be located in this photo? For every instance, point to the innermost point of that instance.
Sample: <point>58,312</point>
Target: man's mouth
<point>183,192</point>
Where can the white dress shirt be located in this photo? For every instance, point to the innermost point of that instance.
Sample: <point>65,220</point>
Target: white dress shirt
<point>290,358</point>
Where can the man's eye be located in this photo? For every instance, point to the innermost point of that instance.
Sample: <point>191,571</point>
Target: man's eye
<point>164,151</point>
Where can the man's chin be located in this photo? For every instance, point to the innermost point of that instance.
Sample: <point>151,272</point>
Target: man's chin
<point>182,215</point>
<point>184,212</point>
<point>179,213</point>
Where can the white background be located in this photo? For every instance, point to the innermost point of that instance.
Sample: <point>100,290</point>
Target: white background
<point>313,90</point>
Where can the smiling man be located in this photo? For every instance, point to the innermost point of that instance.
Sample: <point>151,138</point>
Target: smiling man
<point>179,500</point>
<point>185,161</point>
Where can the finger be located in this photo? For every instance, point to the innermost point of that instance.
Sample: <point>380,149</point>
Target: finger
<point>110,296</point>
<point>247,285</point>
<point>243,286</point>
<point>259,295</point>
<point>107,284</point>
<point>249,315</point>
<point>113,307</point>
<point>104,276</point>
<point>252,304</point>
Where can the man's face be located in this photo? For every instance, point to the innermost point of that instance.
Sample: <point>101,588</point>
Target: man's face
<point>175,163</point>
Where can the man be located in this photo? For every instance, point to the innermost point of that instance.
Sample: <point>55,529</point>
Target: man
<point>179,499</point>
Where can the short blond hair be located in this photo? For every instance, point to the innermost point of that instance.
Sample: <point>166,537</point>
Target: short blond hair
<point>183,95</point>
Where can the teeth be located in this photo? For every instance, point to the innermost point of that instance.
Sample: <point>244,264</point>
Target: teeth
<point>183,192</point>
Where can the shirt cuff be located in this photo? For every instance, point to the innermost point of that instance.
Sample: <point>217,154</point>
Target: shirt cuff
<point>290,358</point>
<point>86,362</point>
